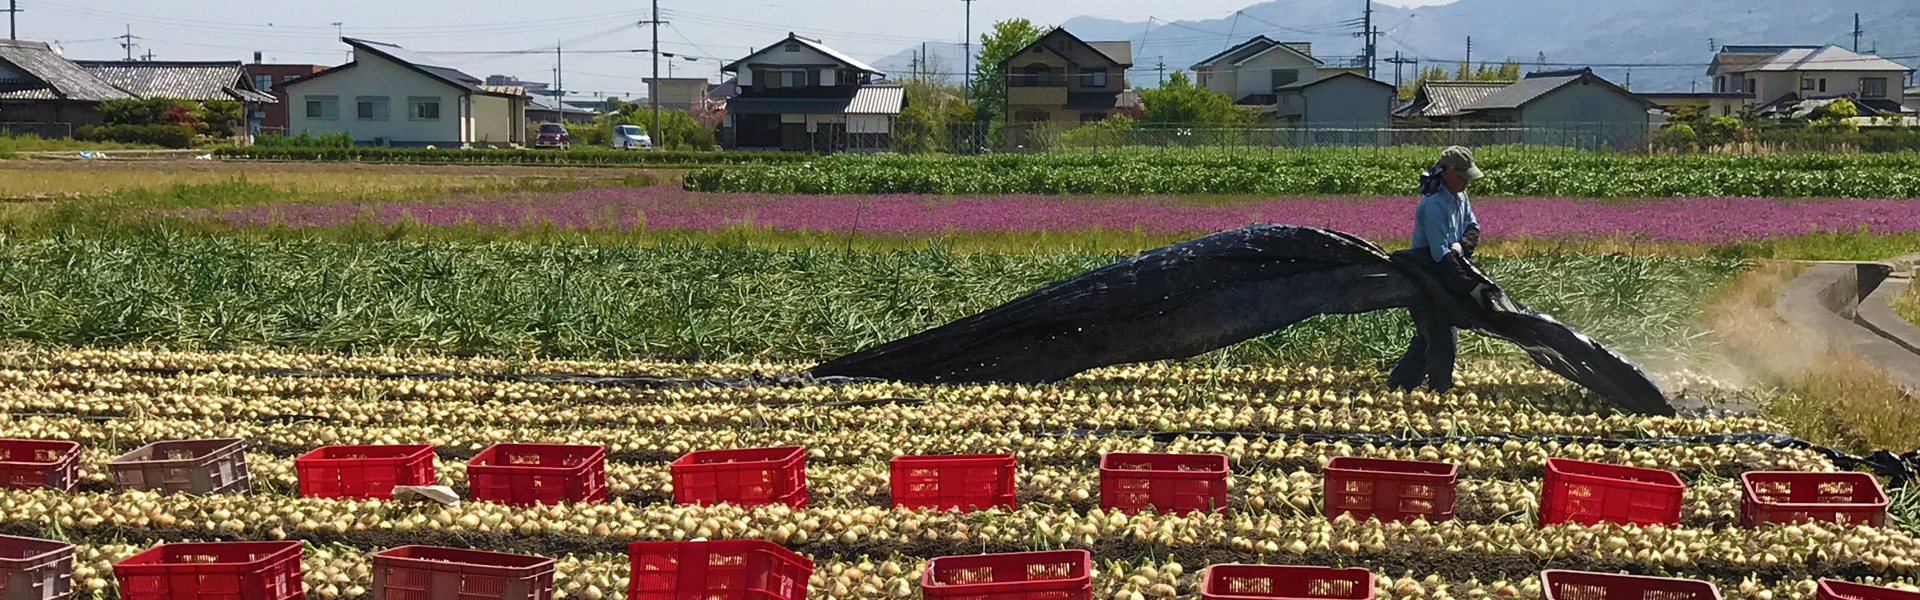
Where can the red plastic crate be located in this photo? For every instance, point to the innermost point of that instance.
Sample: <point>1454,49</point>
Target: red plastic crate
<point>1267,582</point>
<point>538,474</point>
<point>417,572</point>
<point>1581,585</point>
<point>747,477</point>
<point>1389,490</point>
<point>212,571</point>
<point>956,481</point>
<point>1796,497</point>
<point>1052,575</point>
<point>35,569</point>
<point>363,471</point>
<point>1834,589</point>
<point>1590,493</point>
<point>1167,482</point>
<point>215,466</point>
<point>30,464</point>
<point>716,570</point>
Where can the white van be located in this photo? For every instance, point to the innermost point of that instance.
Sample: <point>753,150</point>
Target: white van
<point>631,137</point>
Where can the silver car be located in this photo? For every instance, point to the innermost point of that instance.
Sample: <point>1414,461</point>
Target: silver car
<point>631,137</point>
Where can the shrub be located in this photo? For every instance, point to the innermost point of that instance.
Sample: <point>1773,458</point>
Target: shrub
<point>169,136</point>
<point>1678,137</point>
<point>337,139</point>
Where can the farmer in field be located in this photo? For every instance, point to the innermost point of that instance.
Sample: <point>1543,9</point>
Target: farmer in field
<point>1444,235</point>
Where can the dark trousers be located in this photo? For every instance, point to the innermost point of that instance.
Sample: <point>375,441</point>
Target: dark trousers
<point>1430,355</point>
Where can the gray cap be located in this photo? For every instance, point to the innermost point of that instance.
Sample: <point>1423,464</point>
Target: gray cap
<point>1460,159</point>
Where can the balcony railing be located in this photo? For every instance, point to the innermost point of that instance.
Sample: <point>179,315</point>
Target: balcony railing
<point>1049,80</point>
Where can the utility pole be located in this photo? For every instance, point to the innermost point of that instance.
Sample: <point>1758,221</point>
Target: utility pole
<point>966,89</point>
<point>1856,32</point>
<point>1469,63</point>
<point>13,24</point>
<point>126,41</point>
<point>1162,68</point>
<point>1397,61</point>
<point>559,75</point>
<point>148,56</point>
<point>1368,35</point>
<point>653,94</point>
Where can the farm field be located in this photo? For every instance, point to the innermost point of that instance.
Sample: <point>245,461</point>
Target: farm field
<point>295,305</point>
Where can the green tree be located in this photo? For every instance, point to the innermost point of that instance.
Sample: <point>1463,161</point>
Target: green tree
<point>1115,130</point>
<point>223,117</point>
<point>1180,102</point>
<point>1411,88</point>
<point>989,81</point>
<point>678,129</point>
<point>135,111</point>
<point>1836,116</point>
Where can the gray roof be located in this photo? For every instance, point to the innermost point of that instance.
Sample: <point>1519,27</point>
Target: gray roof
<point>53,76</point>
<point>816,46</point>
<point>421,64</point>
<point>1121,51</point>
<point>537,105</point>
<point>1294,48</point>
<point>1535,85</point>
<point>1325,77</point>
<point>868,100</point>
<point>1238,51</point>
<point>1449,98</point>
<point>1830,58</point>
<point>178,80</point>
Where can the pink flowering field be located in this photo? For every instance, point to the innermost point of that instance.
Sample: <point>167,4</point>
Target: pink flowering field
<point>1700,220</point>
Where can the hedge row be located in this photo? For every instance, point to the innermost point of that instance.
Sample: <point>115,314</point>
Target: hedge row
<point>521,156</point>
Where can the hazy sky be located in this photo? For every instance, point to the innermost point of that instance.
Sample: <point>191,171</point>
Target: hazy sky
<point>709,30</point>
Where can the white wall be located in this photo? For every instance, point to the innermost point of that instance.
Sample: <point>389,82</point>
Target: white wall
<point>1255,76</point>
<point>779,56</point>
<point>375,76</point>
<point>496,121</point>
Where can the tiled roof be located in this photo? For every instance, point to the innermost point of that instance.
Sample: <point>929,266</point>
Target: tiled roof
<point>178,80</point>
<point>53,76</point>
<point>1449,98</point>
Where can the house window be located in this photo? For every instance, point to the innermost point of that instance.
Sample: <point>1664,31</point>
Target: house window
<point>1035,75</point>
<point>1093,77</point>
<point>789,79</point>
<point>263,83</point>
<point>1823,85</point>
<point>423,108</point>
<point>1873,87</point>
<point>323,107</point>
<point>1807,85</point>
<point>792,47</point>
<point>1285,77</point>
<point>371,108</point>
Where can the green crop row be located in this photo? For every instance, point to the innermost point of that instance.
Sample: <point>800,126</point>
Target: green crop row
<point>521,156</point>
<point>1601,179</point>
<point>683,301</point>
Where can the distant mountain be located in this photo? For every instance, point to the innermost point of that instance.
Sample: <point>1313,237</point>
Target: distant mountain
<point>947,59</point>
<point>1678,35</point>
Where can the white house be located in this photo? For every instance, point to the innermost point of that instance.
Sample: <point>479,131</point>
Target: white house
<point>800,95</point>
<point>1253,71</point>
<point>389,97</point>
<point>1782,76</point>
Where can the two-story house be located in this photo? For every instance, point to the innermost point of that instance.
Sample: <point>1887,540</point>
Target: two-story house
<point>799,95</point>
<point>1253,71</point>
<point>1061,79</point>
<point>391,97</point>
<point>1779,76</point>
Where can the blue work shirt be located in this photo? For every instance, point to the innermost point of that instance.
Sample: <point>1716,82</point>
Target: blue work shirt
<point>1440,220</point>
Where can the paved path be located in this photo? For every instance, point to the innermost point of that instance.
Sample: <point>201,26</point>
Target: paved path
<point>1848,303</point>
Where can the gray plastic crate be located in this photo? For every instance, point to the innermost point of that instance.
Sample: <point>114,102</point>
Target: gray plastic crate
<point>35,569</point>
<point>217,466</point>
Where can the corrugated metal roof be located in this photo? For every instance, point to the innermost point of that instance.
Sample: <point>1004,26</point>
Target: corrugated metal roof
<point>178,80</point>
<point>868,100</point>
<point>1449,98</point>
<point>58,78</point>
<point>1830,58</point>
